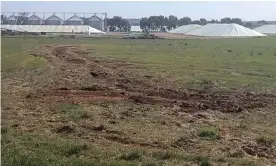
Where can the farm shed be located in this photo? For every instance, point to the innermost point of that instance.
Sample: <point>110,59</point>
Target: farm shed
<point>53,20</point>
<point>135,29</point>
<point>74,20</point>
<point>95,22</point>
<point>33,20</point>
<point>11,20</point>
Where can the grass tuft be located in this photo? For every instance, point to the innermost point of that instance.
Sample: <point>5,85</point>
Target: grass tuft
<point>182,141</point>
<point>134,155</point>
<point>163,155</point>
<point>209,133</point>
<point>265,140</point>
<point>75,149</point>
<point>205,163</point>
<point>72,111</point>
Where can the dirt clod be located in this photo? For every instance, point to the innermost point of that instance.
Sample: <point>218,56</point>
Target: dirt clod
<point>65,129</point>
<point>94,74</point>
<point>99,128</point>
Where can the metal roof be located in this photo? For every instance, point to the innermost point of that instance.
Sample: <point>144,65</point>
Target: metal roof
<point>54,17</point>
<point>96,18</point>
<point>34,17</point>
<point>12,17</point>
<point>74,18</point>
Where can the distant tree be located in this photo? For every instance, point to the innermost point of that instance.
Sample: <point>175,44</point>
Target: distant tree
<point>237,21</point>
<point>172,22</point>
<point>184,21</point>
<point>248,25</point>
<point>203,21</point>
<point>153,22</point>
<point>225,20</point>
<point>112,28</point>
<point>125,25</point>
<point>196,22</point>
<point>163,22</point>
<point>117,23</point>
<point>144,23</point>
<point>262,22</point>
<point>213,21</point>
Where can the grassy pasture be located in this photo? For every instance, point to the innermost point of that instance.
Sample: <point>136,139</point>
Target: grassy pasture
<point>124,133</point>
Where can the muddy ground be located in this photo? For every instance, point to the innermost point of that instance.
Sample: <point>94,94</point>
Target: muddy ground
<point>78,78</point>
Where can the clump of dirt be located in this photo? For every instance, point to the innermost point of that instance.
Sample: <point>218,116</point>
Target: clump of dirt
<point>259,151</point>
<point>99,128</point>
<point>65,129</point>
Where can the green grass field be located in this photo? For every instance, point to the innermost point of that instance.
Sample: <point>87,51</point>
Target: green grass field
<point>129,133</point>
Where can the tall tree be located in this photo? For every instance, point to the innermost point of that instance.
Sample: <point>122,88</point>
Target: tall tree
<point>172,22</point>
<point>262,22</point>
<point>213,21</point>
<point>248,25</point>
<point>203,21</point>
<point>196,22</point>
<point>225,20</point>
<point>184,21</point>
<point>153,21</point>
<point>236,21</point>
<point>117,23</point>
<point>144,23</point>
<point>162,22</point>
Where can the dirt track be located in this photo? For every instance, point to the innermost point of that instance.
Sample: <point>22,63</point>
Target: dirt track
<point>79,78</point>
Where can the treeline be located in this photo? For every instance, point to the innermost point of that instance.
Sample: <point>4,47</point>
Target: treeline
<point>162,23</point>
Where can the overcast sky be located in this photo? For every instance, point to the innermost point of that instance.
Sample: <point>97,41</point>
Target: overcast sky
<point>247,11</point>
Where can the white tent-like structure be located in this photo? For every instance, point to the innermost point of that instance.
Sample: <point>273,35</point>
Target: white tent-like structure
<point>135,29</point>
<point>266,29</point>
<point>224,30</point>
<point>85,29</point>
<point>185,28</point>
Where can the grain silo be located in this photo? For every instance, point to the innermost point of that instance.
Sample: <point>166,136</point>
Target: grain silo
<point>96,22</point>
<point>74,20</point>
<point>53,20</point>
<point>33,20</point>
<point>11,20</point>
